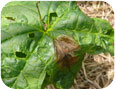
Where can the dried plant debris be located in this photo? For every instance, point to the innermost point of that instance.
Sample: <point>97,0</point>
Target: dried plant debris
<point>97,9</point>
<point>97,72</point>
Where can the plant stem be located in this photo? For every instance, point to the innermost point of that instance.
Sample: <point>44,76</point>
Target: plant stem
<point>45,26</point>
<point>38,10</point>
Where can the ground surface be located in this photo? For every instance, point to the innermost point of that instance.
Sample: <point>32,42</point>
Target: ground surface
<point>97,70</point>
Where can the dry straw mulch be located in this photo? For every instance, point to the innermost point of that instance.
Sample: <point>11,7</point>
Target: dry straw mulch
<point>97,70</point>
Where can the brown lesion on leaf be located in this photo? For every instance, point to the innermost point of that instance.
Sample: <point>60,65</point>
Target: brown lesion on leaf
<point>65,48</point>
<point>10,18</point>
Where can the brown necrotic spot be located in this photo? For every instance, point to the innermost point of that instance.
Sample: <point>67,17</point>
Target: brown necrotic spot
<point>20,54</point>
<point>10,18</point>
<point>31,35</point>
<point>65,48</point>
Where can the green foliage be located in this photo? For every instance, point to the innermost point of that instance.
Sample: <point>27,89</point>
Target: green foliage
<point>27,50</point>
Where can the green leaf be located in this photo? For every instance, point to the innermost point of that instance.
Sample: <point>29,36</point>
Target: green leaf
<point>28,58</point>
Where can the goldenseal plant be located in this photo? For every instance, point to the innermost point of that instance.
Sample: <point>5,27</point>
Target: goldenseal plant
<point>45,42</point>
